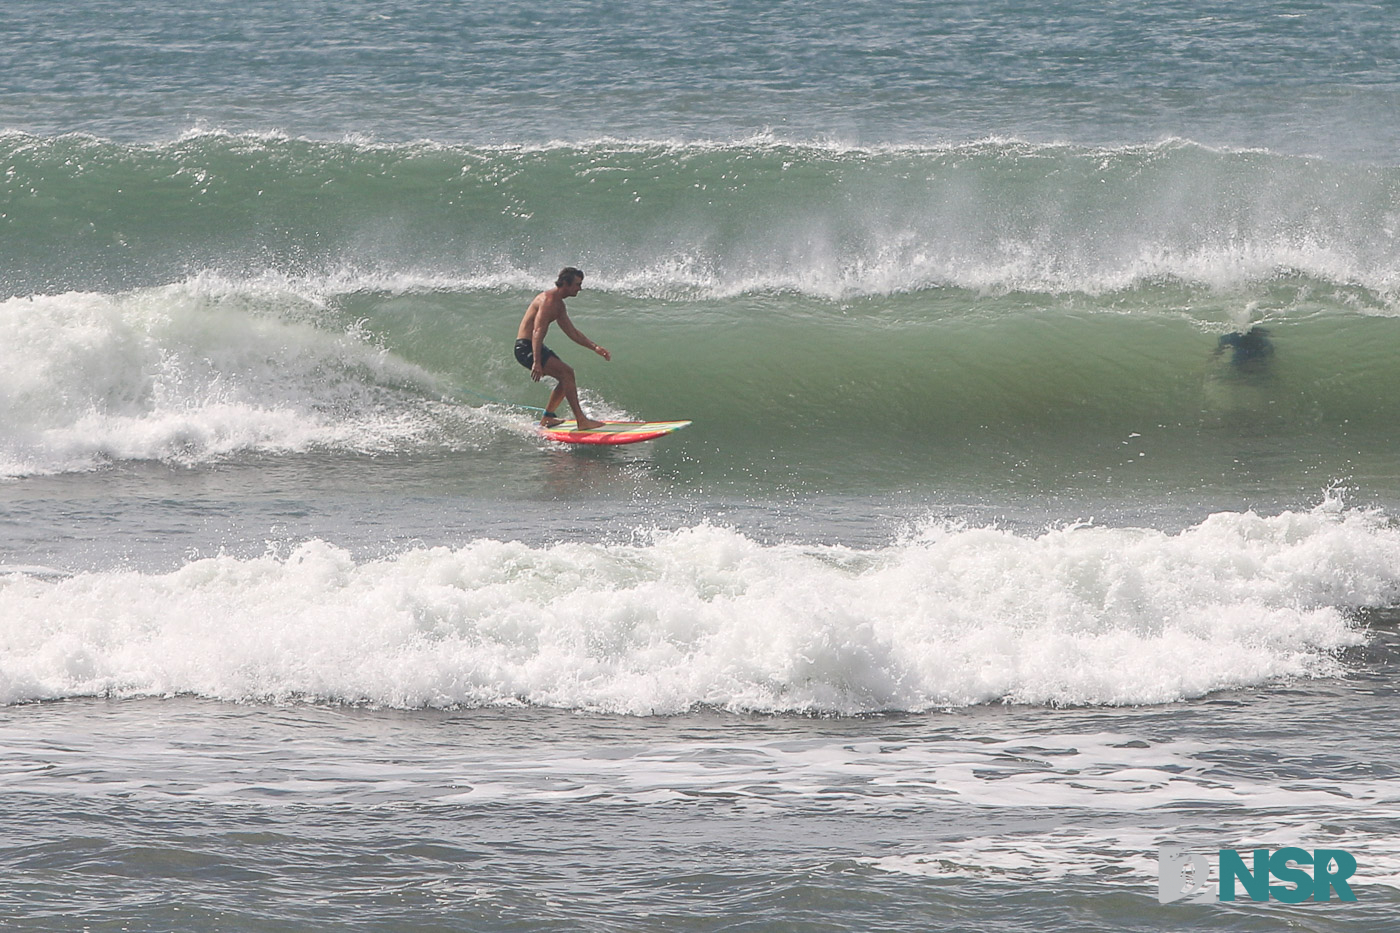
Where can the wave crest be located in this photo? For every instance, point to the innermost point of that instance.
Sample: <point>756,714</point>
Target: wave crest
<point>193,372</point>
<point>670,219</point>
<point>705,616</point>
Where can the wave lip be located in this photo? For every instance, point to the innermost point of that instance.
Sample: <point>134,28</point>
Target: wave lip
<point>707,617</point>
<point>702,219</point>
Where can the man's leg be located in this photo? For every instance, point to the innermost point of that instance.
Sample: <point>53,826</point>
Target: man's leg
<point>568,389</point>
<point>555,397</point>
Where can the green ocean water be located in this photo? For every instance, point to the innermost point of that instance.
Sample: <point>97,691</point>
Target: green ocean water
<point>1037,513</point>
<point>835,320</point>
<point>687,219</point>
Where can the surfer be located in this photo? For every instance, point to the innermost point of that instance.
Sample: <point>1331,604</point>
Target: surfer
<point>1251,349</point>
<point>530,351</point>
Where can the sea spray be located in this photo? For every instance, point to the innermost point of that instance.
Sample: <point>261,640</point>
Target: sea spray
<point>705,616</point>
<point>668,220</point>
<point>191,373</point>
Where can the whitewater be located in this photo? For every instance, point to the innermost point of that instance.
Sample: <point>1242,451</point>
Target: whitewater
<point>1038,511</point>
<point>708,617</point>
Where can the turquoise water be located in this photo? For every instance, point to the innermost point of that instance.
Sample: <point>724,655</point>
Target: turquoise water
<point>988,567</point>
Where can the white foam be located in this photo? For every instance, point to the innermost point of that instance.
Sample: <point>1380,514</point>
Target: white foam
<point>904,265</point>
<point>705,615</point>
<point>194,371</point>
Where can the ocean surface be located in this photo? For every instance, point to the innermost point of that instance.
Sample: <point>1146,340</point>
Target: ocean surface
<point>1039,509</point>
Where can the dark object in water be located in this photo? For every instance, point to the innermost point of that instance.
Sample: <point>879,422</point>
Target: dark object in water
<point>1251,348</point>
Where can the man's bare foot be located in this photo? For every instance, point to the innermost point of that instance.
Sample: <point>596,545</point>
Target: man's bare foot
<point>550,421</point>
<point>588,424</point>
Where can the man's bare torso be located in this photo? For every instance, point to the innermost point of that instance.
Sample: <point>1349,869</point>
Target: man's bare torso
<point>545,309</point>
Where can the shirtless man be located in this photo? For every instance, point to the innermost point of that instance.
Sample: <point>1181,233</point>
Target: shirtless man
<point>530,351</point>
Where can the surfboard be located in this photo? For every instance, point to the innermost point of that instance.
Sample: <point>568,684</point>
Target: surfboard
<point>612,432</point>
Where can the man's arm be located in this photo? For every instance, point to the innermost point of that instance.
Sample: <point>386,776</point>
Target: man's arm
<point>576,335</point>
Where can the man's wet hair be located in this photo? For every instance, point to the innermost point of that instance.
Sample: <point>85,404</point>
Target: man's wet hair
<point>567,276</point>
